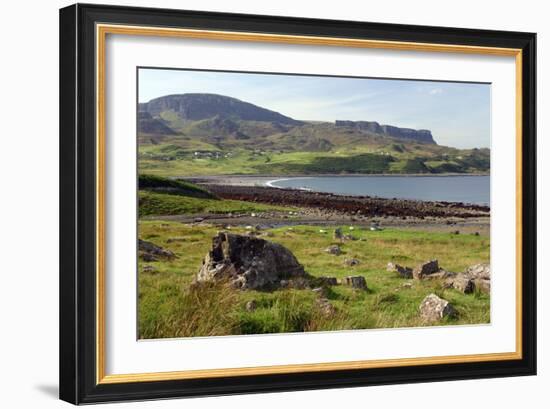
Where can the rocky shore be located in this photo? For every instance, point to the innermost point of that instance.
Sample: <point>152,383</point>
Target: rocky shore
<point>364,206</point>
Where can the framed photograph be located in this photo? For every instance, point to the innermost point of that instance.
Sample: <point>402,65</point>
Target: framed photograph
<point>258,203</point>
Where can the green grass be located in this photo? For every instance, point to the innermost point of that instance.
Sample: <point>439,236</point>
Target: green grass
<point>170,307</point>
<point>362,163</point>
<point>172,186</point>
<point>409,166</point>
<point>154,203</point>
<point>176,158</point>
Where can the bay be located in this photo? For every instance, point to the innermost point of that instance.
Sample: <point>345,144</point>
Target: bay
<point>466,189</point>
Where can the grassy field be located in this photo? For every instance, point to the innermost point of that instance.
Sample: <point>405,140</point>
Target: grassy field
<point>171,159</point>
<point>170,307</point>
<point>152,203</point>
<point>156,183</point>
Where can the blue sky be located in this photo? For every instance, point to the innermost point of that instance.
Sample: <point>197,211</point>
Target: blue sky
<point>458,114</point>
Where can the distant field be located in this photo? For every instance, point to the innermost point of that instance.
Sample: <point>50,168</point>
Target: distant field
<point>169,308</point>
<point>179,159</point>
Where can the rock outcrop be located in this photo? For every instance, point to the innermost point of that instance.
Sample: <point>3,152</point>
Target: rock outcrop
<point>483,285</point>
<point>250,263</point>
<point>425,269</point>
<point>479,271</point>
<point>351,262</point>
<point>334,250</point>
<point>151,252</point>
<point>421,135</point>
<point>404,272</point>
<point>461,283</point>
<point>476,276</point>
<point>326,281</point>
<point>357,282</point>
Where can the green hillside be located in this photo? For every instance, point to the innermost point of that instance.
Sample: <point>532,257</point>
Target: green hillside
<point>205,134</point>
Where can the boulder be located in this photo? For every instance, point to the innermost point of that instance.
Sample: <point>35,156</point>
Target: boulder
<point>424,269</point>
<point>334,250</point>
<point>249,263</point>
<point>151,252</point>
<point>351,262</point>
<point>483,285</point>
<point>357,282</point>
<point>299,283</point>
<point>404,272</point>
<point>434,308</point>
<point>439,275</point>
<point>481,276</point>
<point>461,283</point>
<point>327,281</point>
<point>482,271</point>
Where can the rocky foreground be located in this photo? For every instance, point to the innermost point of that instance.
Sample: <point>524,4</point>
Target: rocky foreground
<point>252,263</point>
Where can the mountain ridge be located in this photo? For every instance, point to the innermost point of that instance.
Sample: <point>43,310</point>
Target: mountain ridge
<point>198,106</point>
<point>208,134</point>
<point>202,106</point>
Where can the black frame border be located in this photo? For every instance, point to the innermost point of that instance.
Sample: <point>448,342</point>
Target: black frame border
<point>78,197</point>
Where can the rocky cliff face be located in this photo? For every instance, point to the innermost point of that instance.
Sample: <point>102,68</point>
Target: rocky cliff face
<point>202,106</point>
<point>421,135</point>
<point>218,116</point>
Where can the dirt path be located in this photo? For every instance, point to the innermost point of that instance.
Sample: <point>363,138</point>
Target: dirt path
<point>268,220</point>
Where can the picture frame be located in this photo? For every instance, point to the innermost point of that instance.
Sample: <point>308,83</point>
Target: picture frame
<point>83,214</point>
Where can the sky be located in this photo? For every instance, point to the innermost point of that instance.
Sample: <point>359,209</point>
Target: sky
<point>458,114</point>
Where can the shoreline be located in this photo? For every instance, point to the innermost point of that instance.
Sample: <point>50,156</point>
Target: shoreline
<point>328,209</point>
<point>270,182</point>
<point>252,180</point>
<point>370,206</point>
